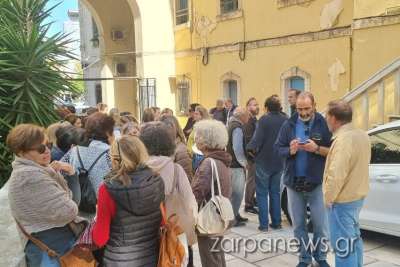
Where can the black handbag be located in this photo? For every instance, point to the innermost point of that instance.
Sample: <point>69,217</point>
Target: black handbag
<point>88,194</point>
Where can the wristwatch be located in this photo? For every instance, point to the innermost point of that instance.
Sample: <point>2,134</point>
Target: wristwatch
<point>317,150</point>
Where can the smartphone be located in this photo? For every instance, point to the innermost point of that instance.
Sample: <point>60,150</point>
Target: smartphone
<point>303,142</point>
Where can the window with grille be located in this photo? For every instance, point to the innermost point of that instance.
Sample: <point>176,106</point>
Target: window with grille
<point>98,93</point>
<point>182,11</point>
<point>231,90</point>
<point>183,97</point>
<point>95,34</point>
<point>229,6</point>
<point>297,83</point>
<point>147,93</point>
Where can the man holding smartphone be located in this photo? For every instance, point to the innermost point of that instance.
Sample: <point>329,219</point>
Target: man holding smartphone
<point>303,143</point>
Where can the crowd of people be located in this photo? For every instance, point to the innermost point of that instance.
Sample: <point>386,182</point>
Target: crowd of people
<point>116,170</point>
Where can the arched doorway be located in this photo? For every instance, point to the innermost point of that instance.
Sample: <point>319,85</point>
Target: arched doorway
<point>132,50</point>
<point>293,78</point>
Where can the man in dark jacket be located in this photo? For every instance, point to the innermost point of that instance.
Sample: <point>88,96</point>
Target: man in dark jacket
<point>219,112</point>
<point>292,98</point>
<point>190,123</point>
<point>249,129</point>
<point>303,143</point>
<point>268,164</point>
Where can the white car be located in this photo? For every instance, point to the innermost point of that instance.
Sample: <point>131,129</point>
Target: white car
<point>381,211</point>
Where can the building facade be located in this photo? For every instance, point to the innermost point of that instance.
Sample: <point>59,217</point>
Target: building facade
<point>71,27</point>
<point>180,51</point>
<point>239,49</point>
<point>90,56</point>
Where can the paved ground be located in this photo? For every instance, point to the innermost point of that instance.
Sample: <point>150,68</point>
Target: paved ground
<point>380,250</point>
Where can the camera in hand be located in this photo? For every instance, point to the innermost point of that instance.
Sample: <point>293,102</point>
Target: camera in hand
<point>302,185</point>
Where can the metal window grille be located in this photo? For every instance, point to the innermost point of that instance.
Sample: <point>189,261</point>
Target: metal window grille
<point>183,97</point>
<point>182,12</point>
<point>95,34</point>
<point>147,93</point>
<point>232,91</point>
<point>98,93</point>
<point>229,6</point>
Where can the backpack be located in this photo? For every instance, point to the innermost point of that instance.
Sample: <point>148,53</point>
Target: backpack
<point>172,251</point>
<point>88,194</point>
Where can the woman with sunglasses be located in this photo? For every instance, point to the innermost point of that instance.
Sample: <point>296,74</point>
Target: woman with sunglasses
<point>128,209</point>
<point>39,197</point>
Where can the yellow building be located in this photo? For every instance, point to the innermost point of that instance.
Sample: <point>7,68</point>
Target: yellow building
<point>202,50</point>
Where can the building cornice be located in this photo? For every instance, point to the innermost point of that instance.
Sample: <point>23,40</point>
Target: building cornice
<point>277,41</point>
<point>377,21</point>
<point>357,24</point>
<point>287,3</point>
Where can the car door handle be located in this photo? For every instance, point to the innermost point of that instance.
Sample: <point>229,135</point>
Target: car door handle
<point>387,178</point>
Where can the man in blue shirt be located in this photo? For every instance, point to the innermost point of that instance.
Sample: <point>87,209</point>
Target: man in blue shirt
<point>303,143</point>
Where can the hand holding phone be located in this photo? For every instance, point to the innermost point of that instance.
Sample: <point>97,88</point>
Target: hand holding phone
<point>302,143</point>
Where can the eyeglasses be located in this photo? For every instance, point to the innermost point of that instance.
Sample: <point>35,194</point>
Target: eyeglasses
<point>41,149</point>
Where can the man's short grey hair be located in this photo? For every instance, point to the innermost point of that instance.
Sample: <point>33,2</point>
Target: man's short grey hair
<point>309,95</point>
<point>239,112</point>
<point>211,133</point>
<point>220,101</point>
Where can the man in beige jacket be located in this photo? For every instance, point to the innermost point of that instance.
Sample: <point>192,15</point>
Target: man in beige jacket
<point>346,183</point>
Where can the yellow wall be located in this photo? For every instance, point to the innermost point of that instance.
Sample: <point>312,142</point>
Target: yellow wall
<point>362,54</point>
<point>260,72</point>
<point>259,20</point>
<point>369,8</point>
<point>374,48</point>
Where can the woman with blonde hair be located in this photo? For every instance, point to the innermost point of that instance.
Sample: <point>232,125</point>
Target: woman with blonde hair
<point>128,214</point>
<point>56,152</point>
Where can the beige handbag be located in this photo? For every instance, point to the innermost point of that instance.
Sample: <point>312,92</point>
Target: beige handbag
<point>175,204</point>
<point>216,215</point>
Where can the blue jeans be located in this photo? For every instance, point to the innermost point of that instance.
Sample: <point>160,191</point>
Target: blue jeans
<point>61,240</point>
<point>297,206</point>
<point>268,190</point>
<point>238,184</point>
<point>345,233</point>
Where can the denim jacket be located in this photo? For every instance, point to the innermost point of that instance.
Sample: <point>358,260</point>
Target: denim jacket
<point>315,162</point>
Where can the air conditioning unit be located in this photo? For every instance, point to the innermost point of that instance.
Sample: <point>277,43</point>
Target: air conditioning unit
<point>121,69</point>
<point>117,35</point>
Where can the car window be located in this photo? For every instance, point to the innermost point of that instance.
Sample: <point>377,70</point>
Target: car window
<point>386,147</point>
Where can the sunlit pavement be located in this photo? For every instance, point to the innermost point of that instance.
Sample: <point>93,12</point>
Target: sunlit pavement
<point>380,250</point>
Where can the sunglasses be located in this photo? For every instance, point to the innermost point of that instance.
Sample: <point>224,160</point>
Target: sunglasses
<point>41,149</point>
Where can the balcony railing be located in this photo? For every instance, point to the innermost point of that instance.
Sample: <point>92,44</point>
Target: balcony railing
<point>377,100</point>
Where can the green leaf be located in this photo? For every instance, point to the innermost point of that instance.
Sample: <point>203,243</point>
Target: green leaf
<point>32,73</point>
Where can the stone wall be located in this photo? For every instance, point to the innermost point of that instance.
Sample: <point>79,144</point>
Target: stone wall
<point>10,246</point>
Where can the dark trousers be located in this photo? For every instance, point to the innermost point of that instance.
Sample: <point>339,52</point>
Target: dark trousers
<point>250,185</point>
<point>209,258</point>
